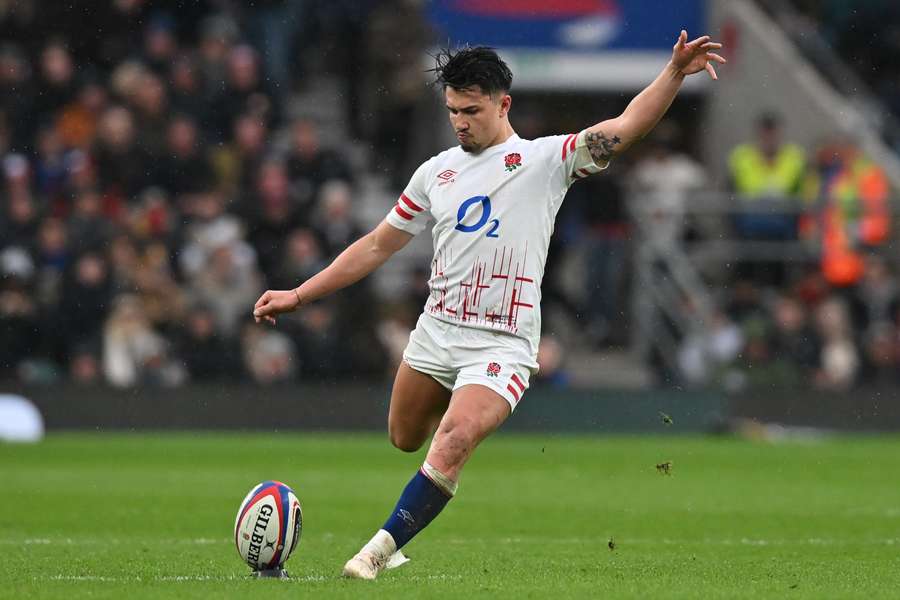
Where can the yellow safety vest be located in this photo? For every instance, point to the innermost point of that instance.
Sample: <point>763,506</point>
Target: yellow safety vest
<point>756,177</point>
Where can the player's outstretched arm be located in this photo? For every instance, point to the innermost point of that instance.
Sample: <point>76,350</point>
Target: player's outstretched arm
<point>359,259</point>
<point>610,137</point>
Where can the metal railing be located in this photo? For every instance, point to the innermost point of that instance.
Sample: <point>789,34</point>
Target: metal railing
<point>674,280</point>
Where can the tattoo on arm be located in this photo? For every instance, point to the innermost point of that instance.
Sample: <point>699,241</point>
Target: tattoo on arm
<point>601,147</point>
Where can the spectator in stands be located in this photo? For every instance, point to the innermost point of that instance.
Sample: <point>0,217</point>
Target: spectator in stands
<point>163,300</point>
<point>794,345</point>
<point>310,164</point>
<point>124,262</point>
<point>121,161</point>
<point>245,91</point>
<point>333,218</point>
<point>324,352</point>
<point>88,227</point>
<point>133,353</point>
<point>271,27</point>
<point>20,222</point>
<point>20,325</point>
<point>849,195</point>
<point>77,123</point>
<point>227,279</point>
<point>187,90</point>
<point>218,34</point>
<point>271,213</point>
<point>52,257</point>
<point>839,360</point>
<point>160,44</point>
<point>208,223</point>
<point>661,182</point>
<point>57,80</point>
<point>17,97</point>
<point>703,355</point>
<point>207,355</point>
<point>880,355</point>
<point>151,104</point>
<point>303,257</point>
<point>877,295</point>
<point>86,298</point>
<point>237,163</point>
<point>84,365</point>
<point>50,168</point>
<point>767,178</point>
<point>184,168</point>
<point>269,355</point>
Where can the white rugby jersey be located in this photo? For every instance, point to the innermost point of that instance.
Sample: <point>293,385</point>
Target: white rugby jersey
<point>494,213</point>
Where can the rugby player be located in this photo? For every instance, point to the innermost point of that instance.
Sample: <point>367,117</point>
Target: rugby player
<point>493,199</point>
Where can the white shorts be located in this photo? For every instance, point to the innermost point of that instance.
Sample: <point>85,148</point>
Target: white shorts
<point>456,355</point>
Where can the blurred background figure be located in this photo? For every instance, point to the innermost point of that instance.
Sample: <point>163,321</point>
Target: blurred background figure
<point>133,353</point>
<point>849,195</point>
<point>767,176</point>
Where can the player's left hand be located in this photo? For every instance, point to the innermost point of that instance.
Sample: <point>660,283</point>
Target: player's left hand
<point>695,56</point>
<point>275,302</point>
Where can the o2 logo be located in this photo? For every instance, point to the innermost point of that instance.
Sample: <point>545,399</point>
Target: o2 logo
<point>485,203</point>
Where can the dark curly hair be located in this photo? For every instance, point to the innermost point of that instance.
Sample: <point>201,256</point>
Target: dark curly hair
<point>468,67</point>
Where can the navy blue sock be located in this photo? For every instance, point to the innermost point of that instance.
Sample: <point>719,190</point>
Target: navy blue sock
<point>419,504</point>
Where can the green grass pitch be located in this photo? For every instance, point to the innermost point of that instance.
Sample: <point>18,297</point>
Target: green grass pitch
<point>151,516</point>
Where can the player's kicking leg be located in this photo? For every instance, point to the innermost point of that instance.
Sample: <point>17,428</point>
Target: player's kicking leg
<point>474,412</point>
<point>418,402</point>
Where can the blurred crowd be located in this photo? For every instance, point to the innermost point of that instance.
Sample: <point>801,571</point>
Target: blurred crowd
<point>824,311</point>
<point>156,177</point>
<point>153,183</point>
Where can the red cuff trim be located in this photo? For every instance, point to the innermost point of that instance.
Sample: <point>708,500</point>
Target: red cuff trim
<point>565,148</point>
<point>405,199</point>
<point>403,213</point>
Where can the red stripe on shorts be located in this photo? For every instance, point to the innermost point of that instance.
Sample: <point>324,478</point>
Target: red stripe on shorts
<point>518,382</point>
<point>513,391</point>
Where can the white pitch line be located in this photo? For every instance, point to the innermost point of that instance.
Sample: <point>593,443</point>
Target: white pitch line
<point>744,541</point>
<point>167,578</point>
<point>194,578</point>
<point>686,542</point>
<point>112,541</point>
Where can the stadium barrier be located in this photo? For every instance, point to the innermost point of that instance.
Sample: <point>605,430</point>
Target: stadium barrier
<point>364,407</point>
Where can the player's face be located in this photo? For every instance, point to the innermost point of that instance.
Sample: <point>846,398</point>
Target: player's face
<point>476,117</point>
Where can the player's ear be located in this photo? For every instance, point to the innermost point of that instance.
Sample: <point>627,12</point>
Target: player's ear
<point>505,104</point>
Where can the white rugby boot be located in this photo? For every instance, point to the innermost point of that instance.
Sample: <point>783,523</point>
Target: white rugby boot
<point>378,554</point>
<point>365,565</point>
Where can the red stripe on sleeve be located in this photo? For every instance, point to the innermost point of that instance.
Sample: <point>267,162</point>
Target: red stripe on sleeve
<point>402,213</point>
<point>513,391</point>
<point>565,150</point>
<point>584,172</point>
<point>405,199</point>
<point>518,382</point>
<point>572,145</point>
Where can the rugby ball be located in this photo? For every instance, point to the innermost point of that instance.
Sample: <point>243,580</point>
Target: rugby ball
<point>268,526</point>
